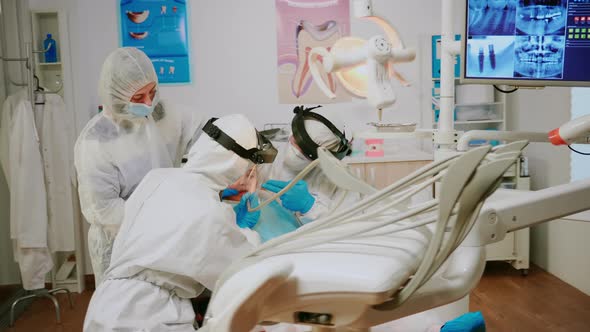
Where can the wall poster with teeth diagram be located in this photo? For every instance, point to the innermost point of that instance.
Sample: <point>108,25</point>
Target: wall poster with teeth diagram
<point>301,26</point>
<point>528,39</point>
<point>159,28</point>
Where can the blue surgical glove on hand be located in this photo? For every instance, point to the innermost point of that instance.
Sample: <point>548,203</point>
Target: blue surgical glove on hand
<point>297,199</point>
<point>228,192</point>
<point>469,322</point>
<point>246,219</point>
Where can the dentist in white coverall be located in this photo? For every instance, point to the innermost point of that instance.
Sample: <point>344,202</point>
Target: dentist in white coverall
<point>176,239</point>
<point>134,134</point>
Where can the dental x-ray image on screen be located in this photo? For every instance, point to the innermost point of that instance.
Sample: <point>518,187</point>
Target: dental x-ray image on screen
<point>541,17</point>
<point>490,57</point>
<point>539,57</point>
<point>492,17</point>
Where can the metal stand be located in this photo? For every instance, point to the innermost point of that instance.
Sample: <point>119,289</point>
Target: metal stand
<point>43,293</point>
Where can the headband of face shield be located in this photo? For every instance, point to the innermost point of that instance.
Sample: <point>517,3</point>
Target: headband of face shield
<point>304,141</point>
<point>264,153</point>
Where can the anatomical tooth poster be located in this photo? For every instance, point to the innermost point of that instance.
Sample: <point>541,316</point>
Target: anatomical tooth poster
<point>159,28</point>
<point>301,26</point>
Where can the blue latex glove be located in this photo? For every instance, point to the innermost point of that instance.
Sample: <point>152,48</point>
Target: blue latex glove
<point>297,199</point>
<point>246,219</point>
<point>228,192</point>
<point>469,322</point>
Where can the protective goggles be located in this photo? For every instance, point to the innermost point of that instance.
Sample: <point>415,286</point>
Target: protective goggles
<point>263,153</point>
<point>304,141</point>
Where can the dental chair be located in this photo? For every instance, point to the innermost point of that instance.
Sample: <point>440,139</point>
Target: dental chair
<point>381,259</point>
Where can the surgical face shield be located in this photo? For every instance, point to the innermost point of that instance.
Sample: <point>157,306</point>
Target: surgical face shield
<point>306,143</point>
<point>263,153</point>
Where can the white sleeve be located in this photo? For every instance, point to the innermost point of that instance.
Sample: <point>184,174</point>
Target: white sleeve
<point>98,185</point>
<point>228,245</point>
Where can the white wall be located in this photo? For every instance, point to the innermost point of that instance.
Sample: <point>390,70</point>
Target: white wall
<point>560,247</point>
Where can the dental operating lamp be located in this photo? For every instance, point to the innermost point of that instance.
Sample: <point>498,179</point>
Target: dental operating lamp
<point>363,67</point>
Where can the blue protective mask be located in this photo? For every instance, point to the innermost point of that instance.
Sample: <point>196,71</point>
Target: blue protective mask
<point>141,110</point>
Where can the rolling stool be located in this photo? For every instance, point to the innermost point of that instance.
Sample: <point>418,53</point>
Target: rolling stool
<point>43,293</point>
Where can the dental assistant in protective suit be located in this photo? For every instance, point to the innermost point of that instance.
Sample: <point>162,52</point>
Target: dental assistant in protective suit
<point>134,134</point>
<point>178,236</point>
<point>315,195</point>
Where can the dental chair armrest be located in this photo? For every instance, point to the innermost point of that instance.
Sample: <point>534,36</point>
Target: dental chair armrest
<point>236,304</point>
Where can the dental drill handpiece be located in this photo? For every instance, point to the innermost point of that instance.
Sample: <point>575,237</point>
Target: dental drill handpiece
<point>480,58</point>
<point>492,56</point>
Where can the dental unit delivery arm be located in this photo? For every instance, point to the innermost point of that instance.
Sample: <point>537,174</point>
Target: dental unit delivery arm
<point>572,132</point>
<point>511,210</point>
<point>576,131</point>
<point>508,136</point>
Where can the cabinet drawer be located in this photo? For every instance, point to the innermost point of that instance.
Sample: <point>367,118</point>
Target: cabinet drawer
<point>381,175</point>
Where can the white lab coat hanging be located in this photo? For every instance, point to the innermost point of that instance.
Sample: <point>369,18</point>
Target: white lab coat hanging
<point>21,162</point>
<point>57,148</point>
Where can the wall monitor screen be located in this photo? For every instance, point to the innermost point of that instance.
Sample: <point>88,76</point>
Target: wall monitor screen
<point>527,42</point>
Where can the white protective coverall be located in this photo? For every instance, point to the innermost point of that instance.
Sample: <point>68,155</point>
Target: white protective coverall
<point>117,149</point>
<point>176,240</point>
<point>290,161</point>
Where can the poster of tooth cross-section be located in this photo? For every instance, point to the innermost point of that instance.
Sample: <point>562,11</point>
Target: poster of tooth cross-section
<point>159,28</point>
<point>301,26</point>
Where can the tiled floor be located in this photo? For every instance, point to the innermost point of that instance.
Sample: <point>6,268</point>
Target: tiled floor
<point>509,302</point>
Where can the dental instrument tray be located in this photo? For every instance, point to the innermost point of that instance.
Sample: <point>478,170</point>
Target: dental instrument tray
<point>393,127</point>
